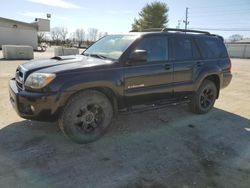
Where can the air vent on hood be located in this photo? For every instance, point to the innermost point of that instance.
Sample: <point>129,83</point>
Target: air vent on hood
<point>60,58</point>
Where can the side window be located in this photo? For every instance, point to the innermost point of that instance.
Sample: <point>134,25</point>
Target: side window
<point>156,47</point>
<point>183,49</point>
<point>212,48</point>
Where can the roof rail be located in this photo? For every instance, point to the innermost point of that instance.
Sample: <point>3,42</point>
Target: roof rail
<point>171,29</point>
<point>147,30</point>
<point>185,30</point>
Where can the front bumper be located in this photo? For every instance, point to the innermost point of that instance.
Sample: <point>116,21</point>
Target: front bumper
<point>35,106</point>
<point>227,77</point>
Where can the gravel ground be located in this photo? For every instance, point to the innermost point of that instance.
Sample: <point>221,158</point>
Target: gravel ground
<point>168,147</point>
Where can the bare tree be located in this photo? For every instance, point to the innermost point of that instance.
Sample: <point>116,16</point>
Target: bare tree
<point>235,37</point>
<point>59,34</point>
<point>41,36</point>
<point>55,34</point>
<point>101,34</point>
<point>63,32</point>
<point>92,34</point>
<point>80,36</point>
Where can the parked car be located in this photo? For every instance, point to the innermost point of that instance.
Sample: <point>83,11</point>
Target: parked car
<point>84,92</point>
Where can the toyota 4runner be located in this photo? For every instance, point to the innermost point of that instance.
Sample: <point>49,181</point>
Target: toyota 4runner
<point>84,92</point>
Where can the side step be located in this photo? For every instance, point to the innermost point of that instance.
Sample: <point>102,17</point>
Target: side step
<point>156,106</point>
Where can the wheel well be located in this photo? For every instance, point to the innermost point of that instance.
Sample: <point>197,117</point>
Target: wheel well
<point>215,79</point>
<point>107,92</point>
<point>110,95</point>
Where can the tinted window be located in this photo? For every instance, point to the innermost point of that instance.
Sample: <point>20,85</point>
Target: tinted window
<point>156,47</point>
<point>183,48</point>
<point>212,47</point>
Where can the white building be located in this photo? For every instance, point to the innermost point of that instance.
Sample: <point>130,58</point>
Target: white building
<point>14,32</point>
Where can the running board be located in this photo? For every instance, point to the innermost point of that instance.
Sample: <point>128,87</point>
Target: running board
<point>156,106</point>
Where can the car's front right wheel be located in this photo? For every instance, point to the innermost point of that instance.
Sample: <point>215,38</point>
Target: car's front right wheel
<point>86,116</point>
<point>204,99</point>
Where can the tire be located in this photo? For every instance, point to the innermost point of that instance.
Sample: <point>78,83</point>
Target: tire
<point>86,116</point>
<point>204,99</point>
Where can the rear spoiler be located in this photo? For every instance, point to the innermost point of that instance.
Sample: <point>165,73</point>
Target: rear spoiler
<point>218,36</point>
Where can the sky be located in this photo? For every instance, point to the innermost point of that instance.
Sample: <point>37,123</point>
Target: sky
<point>114,16</point>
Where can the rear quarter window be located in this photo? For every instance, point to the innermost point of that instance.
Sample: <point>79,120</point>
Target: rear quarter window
<point>212,48</point>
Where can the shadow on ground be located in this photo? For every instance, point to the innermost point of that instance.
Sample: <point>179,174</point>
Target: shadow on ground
<point>163,148</point>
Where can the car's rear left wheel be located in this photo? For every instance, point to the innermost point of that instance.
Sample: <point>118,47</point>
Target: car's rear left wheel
<point>204,99</point>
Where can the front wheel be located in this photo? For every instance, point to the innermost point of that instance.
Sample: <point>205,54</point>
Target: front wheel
<point>86,116</point>
<point>204,99</point>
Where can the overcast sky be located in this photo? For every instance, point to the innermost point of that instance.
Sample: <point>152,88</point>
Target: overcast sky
<point>116,16</point>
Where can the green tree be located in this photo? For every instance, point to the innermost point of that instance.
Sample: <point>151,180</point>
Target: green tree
<point>153,15</point>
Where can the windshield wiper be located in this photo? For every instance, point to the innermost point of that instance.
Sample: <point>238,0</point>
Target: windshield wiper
<point>97,55</point>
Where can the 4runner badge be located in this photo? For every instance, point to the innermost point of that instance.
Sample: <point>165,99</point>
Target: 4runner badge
<point>136,86</point>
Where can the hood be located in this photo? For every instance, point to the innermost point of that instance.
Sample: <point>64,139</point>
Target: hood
<point>64,63</point>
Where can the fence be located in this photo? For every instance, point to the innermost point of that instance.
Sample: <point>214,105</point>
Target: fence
<point>238,50</point>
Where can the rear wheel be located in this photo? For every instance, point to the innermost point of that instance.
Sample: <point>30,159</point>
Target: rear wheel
<point>86,116</point>
<point>204,99</point>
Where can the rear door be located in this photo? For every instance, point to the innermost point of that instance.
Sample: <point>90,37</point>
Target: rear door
<point>186,61</point>
<point>150,80</point>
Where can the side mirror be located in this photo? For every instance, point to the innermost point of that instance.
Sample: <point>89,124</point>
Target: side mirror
<point>138,56</point>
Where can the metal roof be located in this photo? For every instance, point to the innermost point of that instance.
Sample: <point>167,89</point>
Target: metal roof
<point>18,22</point>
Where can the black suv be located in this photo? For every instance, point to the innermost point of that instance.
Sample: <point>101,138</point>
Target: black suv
<point>84,92</point>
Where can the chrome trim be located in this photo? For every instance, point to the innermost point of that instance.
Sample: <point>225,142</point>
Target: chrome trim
<point>23,68</point>
<point>136,86</point>
<point>20,79</point>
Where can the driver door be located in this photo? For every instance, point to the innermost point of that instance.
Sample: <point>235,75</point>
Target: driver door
<point>151,80</point>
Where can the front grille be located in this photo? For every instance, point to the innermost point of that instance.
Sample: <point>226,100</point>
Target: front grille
<point>19,78</point>
<point>20,85</point>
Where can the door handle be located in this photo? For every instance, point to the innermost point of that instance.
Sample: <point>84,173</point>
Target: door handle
<point>199,64</point>
<point>167,66</point>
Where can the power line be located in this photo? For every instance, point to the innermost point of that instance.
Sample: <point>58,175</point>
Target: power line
<point>222,13</point>
<point>220,22</point>
<point>227,26</point>
<point>221,10</point>
<point>223,29</point>
<point>225,6</point>
<point>214,27</point>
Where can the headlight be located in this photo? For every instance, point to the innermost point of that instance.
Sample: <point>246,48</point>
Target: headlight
<point>39,80</point>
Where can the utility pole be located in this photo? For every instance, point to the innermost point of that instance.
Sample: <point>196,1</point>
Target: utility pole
<point>186,20</point>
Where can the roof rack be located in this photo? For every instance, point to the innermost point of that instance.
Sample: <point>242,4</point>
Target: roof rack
<point>147,30</point>
<point>185,30</point>
<point>172,29</point>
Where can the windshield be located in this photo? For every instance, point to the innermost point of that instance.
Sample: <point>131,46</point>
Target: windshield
<point>111,46</point>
